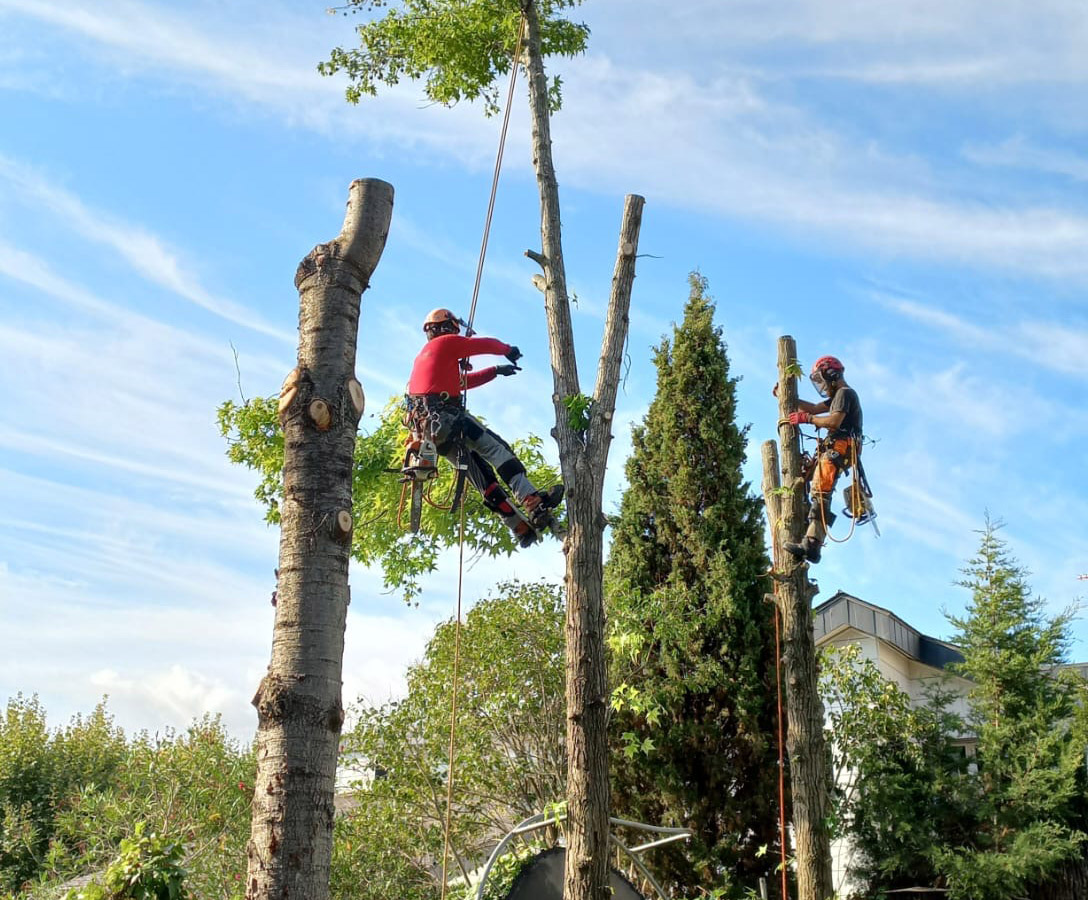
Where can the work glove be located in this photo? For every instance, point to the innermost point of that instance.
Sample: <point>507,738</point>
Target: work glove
<point>513,354</point>
<point>800,418</point>
<point>506,370</point>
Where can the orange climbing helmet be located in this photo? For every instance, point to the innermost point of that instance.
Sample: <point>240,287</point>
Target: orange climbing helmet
<point>826,372</point>
<point>441,321</point>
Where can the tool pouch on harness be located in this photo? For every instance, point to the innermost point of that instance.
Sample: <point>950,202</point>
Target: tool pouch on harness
<point>428,428</point>
<point>840,451</point>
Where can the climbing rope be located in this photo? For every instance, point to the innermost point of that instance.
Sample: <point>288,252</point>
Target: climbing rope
<point>781,743</point>
<point>495,177</point>
<point>464,393</point>
<point>453,702</point>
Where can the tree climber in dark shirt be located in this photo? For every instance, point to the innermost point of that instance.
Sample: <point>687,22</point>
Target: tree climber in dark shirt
<point>434,394</point>
<point>840,414</point>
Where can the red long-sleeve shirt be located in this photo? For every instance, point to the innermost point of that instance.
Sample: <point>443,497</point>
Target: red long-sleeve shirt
<point>436,369</point>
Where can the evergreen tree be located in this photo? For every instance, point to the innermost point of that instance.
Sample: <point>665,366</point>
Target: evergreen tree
<point>1031,739</point>
<point>901,781</point>
<point>691,633</point>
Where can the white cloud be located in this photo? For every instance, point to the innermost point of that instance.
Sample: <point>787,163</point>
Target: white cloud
<point>144,252</point>
<point>717,144</point>
<point>1059,347</point>
<point>1019,152</point>
<point>172,695</point>
<point>930,42</point>
<point>189,649</point>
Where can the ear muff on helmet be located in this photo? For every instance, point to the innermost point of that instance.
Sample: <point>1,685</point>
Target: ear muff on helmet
<point>826,372</point>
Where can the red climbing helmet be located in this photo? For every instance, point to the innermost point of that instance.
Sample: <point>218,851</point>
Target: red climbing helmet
<point>826,371</point>
<point>441,321</point>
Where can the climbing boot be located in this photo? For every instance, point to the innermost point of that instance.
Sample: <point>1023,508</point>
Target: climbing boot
<point>524,534</point>
<point>807,549</point>
<point>495,499</point>
<point>540,504</point>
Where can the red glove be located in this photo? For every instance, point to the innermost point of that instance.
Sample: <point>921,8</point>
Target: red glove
<point>800,418</point>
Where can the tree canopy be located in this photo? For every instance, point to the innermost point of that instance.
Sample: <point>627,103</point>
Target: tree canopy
<point>132,810</point>
<point>509,760</point>
<point>457,48</point>
<point>1006,818</point>
<point>1029,717</point>
<point>381,536</point>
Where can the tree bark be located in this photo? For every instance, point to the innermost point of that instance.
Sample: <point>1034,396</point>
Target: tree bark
<point>298,703</point>
<point>582,458</point>
<point>808,753</point>
<point>1069,882</point>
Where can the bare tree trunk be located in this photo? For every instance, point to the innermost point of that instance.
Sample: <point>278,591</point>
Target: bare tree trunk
<point>298,702</point>
<point>583,456</point>
<point>809,759</point>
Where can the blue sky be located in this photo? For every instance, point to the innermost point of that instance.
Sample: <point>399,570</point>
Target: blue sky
<point>900,184</point>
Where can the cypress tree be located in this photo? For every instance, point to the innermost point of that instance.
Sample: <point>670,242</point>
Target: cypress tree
<point>691,634</point>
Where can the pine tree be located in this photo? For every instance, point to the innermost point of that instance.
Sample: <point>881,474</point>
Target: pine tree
<point>1029,725</point>
<point>691,633</point>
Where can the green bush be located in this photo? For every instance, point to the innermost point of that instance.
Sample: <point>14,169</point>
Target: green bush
<point>147,868</point>
<point>40,771</point>
<point>70,798</point>
<point>197,786</point>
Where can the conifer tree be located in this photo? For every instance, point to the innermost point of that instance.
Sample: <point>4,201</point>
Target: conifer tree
<point>1029,723</point>
<point>691,633</point>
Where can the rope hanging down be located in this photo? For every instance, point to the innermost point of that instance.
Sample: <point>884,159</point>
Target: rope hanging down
<point>464,394</point>
<point>498,168</point>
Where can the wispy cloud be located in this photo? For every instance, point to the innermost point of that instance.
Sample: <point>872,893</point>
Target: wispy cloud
<point>1021,153</point>
<point>165,38</point>
<point>1057,346</point>
<point>929,42</point>
<point>259,57</point>
<point>145,253</point>
<point>754,158</point>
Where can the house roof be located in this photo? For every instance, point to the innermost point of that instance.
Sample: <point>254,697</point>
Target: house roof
<point>844,610</point>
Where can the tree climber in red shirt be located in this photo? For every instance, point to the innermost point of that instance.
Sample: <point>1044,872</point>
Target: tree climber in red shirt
<point>434,395</point>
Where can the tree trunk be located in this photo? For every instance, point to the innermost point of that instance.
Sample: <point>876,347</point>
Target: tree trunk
<point>809,759</point>
<point>298,702</point>
<point>1070,882</point>
<point>583,456</point>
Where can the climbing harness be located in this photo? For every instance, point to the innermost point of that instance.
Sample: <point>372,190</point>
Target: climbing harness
<point>423,419</point>
<point>857,496</point>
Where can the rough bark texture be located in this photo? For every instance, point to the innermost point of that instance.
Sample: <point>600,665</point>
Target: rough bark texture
<point>808,753</point>
<point>582,458</point>
<point>298,702</point>
<point>1070,882</point>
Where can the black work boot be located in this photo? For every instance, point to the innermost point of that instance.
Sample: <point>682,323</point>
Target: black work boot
<point>539,504</point>
<point>524,534</point>
<point>808,549</point>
